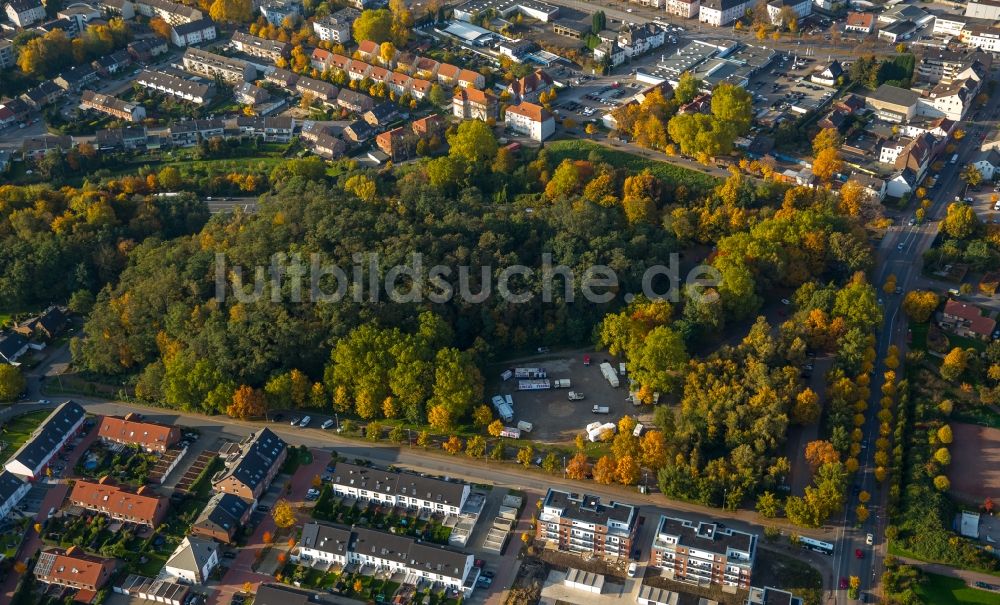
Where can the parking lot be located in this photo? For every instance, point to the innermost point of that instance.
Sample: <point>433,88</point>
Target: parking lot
<point>554,417</point>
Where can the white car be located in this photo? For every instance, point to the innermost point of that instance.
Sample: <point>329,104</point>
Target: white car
<point>326,424</point>
<point>869,540</point>
<point>633,568</point>
<point>305,421</point>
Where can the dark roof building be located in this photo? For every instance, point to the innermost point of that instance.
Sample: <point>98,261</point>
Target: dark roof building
<point>29,460</point>
<point>222,517</point>
<point>251,465</point>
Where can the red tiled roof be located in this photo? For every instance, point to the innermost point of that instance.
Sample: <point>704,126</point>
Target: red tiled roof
<point>978,323</point>
<point>535,113</point>
<point>73,567</point>
<point>117,501</point>
<point>861,19</point>
<point>367,47</point>
<point>146,434</point>
<point>449,71</point>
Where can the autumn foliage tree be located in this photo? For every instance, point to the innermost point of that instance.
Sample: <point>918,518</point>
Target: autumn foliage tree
<point>605,470</point>
<point>919,304</point>
<point>578,467</point>
<point>248,402</point>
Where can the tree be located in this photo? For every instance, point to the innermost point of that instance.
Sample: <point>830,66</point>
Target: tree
<point>437,96</point>
<point>160,27</point>
<point>807,409</point>
<point>821,452</point>
<point>475,446</point>
<point>386,51</point>
<point>944,434</point>
<point>495,428</point>
<point>960,221</point>
<point>604,470</point>
<point>941,483</point>
<point>231,11</point>
<point>988,505</point>
<point>688,87</point>
<point>453,445</point>
<point>627,471</point>
<point>942,456</point>
<point>954,364</point>
<point>283,514</point>
<point>971,175</point>
<point>482,416</point>
<point>827,164</point>
<point>525,455</point>
<point>919,304</point>
<point>374,25</point>
<point>768,505</point>
<point>247,402</point>
<point>733,105</point>
<point>358,585</point>
<point>598,21</point>
<point>827,138</point>
<point>423,439</point>
<point>578,467</point>
<point>474,143</point>
<point>551,462</point>
<point>317,481</point>
<point>654,450</point>
<point>12,382</point>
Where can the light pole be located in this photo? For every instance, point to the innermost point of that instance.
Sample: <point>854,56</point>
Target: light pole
<point>337,417</point>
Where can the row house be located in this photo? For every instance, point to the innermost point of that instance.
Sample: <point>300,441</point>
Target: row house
<point>704,553</point>
<point>147,49</point>
<point>142,506</point>
<point>251,465</point>
<point>35,148</point>
<point>113,63</point>
<point>211,65</point>
<point>43,94</point>
<point>190,132</point>
<point>282,78</point>
<point>318,89</point>
<point>198,93</point>
<point>76,77</point>
<point>127,138</point>
<point>113,106</point>
<point>580,523</point>
<point>354,101</point>
<point>328,146</point>
<point>278,129</point>
<point>132,430</point>
<point>272,50</point>
<point>75,569</point>
<point>396,488</point>
<point>31,459</point>
<point>12,489</point>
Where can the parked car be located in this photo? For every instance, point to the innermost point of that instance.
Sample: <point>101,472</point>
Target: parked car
<point>859,554</point>
<point>295,420</point>
<point>869,539</point>
<point>305,421</point>
<point>633,568</point>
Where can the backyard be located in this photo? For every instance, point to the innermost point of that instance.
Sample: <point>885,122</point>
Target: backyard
<point>17,431</point>
<point>126,465</point>
<point>331,508</point>
<point>941,590</point>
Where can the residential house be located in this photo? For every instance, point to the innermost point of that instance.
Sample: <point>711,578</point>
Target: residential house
<point>983,9</point>
<point>279,129</point>
<point>797,9</point>
<point>471,79</point>
<point>251,465</point>
<point>829,75</point>
<point>392,553</point>
<point>23,13</point>
<point>112,106</point>
<point>132,430</point>
<point>7,56</point>
<point>893,104</point>
<point>530,87</point>
<point>472,104</point>
<point>611,52</point>
<point>222,518</point>
<point>399,83</point>
<point>396,488</point>
<point>278,10</point>
<point>687,9</point>
<point>396,143</point>
<point>419,88</point>
<point>272,50</point>
<point>951,101</point>
<point>358,131</point>
<point>190,132</point>
<point>580,523</point>
<point>142,506</point>
<point>982,37</point>
<point>118,8</point>
<point>111,64</point>
<point>988,164</point>
<point>531,120</point>
<point>945,65</point>
<point>12,489</point>
<point>279,594</point>
<point>354,101</point>
<point>428,126</point>
<point>722,12</point>
<point>324,543</point>
<point>874,187</point>
<point>147,49</point>
<point>198,93</point>
<point>640,39</point>
<point>318,89</point>
<point>173,13</point>
<point>358,70</point>
<point>193,32</point>
<point>704,553</point>
<point>967,321</point>
<point>426,68</point>
<point>382,115</point>
<point>127,137</point>
<point>73,568</point>
<point>12,348</point>
<point>282,77</point>
<point>47,325</point>
<point>329,146</point>
<point>193,561</point>
<point>250,94</point>
<point>45,442</point>
<point>448,74</point>
<point>76,77</point>
<point>901,183</point>
<point>368,50</point>
<point>211,65</point>
<point>336,28</point>
<point>861,23</point>
<point>43,94</point>
<point>35,148</point>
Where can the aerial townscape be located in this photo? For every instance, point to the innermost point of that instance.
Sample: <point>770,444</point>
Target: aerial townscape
<point>499,302</point>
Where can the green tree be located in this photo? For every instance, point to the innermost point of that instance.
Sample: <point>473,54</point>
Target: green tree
<point>598,21</point>
<point>971,175</point>
<point>437,96</point>
<point>961,221</point>
<point>551,462</point>
<point>374,25</point>
<point>919,304</point>
<point>954,364</point>
<point>688,87</point>
<point>768,505</point>
<point>12,382</point>
<point>656,363</point>
<point>475,446</point>
<point>457,382</point>
<point>733,105</point>
<point>525,455</point>
<point>473,143</point>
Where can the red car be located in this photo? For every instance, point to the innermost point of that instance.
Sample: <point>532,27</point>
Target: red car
<point>858,553</point>
<point>586,360</point>
<point>843,583</point>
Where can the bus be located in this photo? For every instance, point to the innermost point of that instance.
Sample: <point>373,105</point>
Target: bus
<point>816,545</point>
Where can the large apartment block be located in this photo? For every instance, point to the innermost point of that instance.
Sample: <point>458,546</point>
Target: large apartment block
<point>400,489</point>
<point>702,553</point>
<point>580,523</point>
<point>211,65</point>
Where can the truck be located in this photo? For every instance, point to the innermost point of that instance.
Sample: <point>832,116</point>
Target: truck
<point>609,374</point>
<point>507,375</point>
<point>525,426</point>
<point>575,395</point>
<point>561,383</point>
<point>511,432</point>
<point>600,409</point>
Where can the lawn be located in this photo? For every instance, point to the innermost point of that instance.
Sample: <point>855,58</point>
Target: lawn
<point>942,590</point>
<point>918,333</point>
<point>17,431</point>
<point>581,150</point>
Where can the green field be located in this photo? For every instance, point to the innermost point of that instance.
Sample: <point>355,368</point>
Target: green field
<point>17,431</point>
<point>580,150</point>
<point>941,590</point>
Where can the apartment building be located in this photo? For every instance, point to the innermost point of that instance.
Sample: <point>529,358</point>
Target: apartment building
<point>211,65</point>
<point>278,10</point>
<point>580,523</point>
<point>951,101</point>
<point>73,568</point>
<point>198,93</point>
<point>7,56</point>
<point>722,12</point>
<point>272,50</point>
<point>112,106</point>
<point>251,465</point>
<point>250,94</point>
<point>400,489</point>
<point>533,121</point>
<point>946,65</point>
<point>703,553</point>
<point>45,442</point>
<point>337,26</point>
<point>193,32</point>
<point>800,8</point>
<point>530,87</point>
<point>173,13</point>
<point>131,430</point>
<point>23,13</point>
<point>222,518</point>
<point>983,9</point>
<point>688,9</point>
<point>141,506</point>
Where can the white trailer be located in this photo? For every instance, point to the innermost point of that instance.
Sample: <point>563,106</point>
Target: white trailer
<point>561,383</point>
<point>536,384</point>
<point>504,409</point>
<point>525,426</point>
<point>507,375</point>
<point>511,432</point>
<point>575,396</point>
<point>600,409</point>
<point>637,431</point>
<point>595,433</point>
<point>530,373</point>
<point>609,374</point>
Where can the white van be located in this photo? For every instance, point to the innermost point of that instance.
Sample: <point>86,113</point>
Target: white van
<point>326,424</point>
<point>305,421</point>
